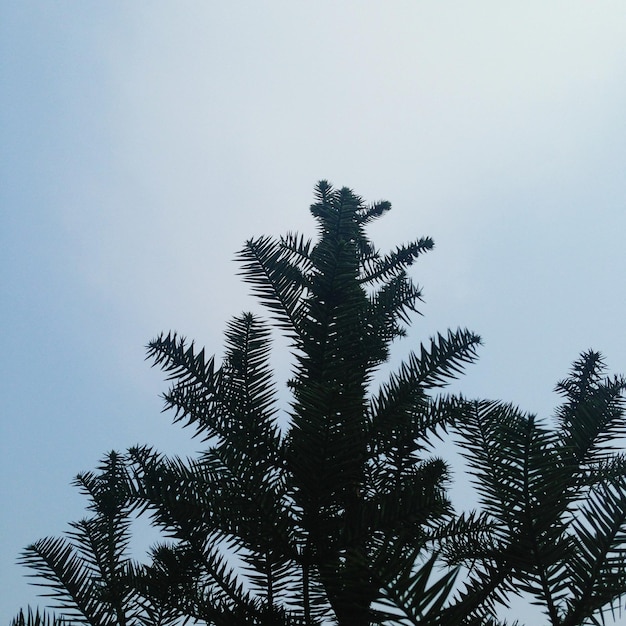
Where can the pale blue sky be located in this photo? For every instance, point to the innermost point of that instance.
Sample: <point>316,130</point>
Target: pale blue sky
<point>143,142</point>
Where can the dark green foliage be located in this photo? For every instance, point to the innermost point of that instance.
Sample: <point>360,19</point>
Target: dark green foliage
<point>37,619</point>
<point>85,572</point>
<point>335,511</point>
<point>312,522</point>
<point>313,513</point>
<point>556,500</point>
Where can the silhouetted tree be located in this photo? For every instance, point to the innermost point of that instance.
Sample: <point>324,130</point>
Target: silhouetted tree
<point>553,500</point>
<point>337,511</point>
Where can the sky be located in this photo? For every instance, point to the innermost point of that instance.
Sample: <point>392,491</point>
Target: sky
<point>144,142</point>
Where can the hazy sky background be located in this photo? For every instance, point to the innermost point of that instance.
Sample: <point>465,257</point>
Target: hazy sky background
<point>143,142</point>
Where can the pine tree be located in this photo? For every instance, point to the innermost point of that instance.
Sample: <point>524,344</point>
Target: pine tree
<point>316,521</point>
<point>326,516</point>
<point>335,511</point>
<point>553,503</point>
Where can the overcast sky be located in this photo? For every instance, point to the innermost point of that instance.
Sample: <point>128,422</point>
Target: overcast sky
<point>143,142</point>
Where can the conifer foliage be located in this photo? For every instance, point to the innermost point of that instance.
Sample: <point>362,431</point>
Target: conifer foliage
<point>313,513</point>
<point>312,523</point>
<point>335,510</point>
<point>553,500</point>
